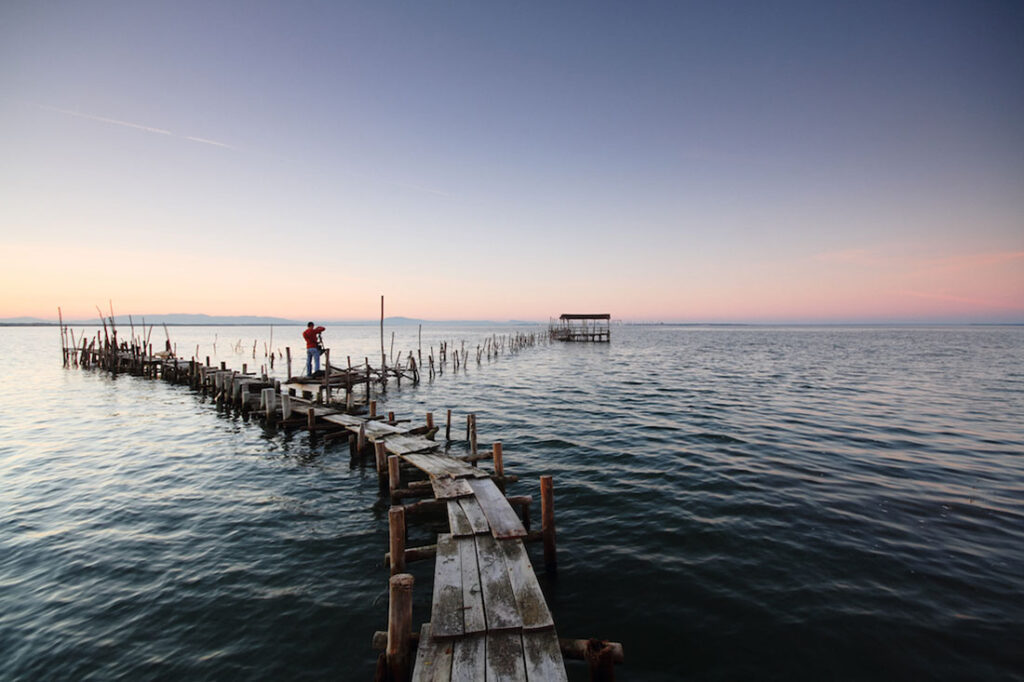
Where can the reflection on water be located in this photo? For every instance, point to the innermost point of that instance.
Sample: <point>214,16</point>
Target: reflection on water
<point>731,503</point>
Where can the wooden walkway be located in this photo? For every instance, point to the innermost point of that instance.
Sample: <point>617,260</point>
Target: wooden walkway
<point>488,616</point>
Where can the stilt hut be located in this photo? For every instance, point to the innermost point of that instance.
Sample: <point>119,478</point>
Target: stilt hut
<point>582,327</point>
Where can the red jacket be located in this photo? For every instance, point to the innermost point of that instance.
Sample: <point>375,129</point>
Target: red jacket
<point>310,336</point>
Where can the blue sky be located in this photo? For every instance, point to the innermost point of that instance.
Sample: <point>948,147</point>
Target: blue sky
<point>672,161</point>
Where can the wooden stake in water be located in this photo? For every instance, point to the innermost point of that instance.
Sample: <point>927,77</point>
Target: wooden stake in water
<point>397,654</point>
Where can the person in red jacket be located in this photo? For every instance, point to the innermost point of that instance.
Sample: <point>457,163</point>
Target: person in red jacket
<point>312,337</point>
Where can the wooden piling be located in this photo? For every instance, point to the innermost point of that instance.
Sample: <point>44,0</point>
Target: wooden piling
<point>311,420</point>
<point>394,472</point>
<point>396,528</point>
<point>381,457</point>
<point>448,427</point>
<point>398,652</point>
<point>600,657</point>
<point>270,402</point>
<point>547,515</point>
<point>499,464</point>
<point>472,436</point>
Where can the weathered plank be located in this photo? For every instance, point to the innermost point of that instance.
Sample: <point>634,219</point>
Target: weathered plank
<point>402,444</point>
<point>375,430</point>
<point>345,420</point>
<point>458,524</point>
<point>430,464</point>
<point>499,599</point>
<point>529,598</point>
<point>472,593</point>
<point>436,465</point>
<point>433,658</point>
<point>475,515</point>
<point>505,656</point>
<point>446,609</point>
<point>468,659</point>
<point>449,488</point>
<point>543,657</point>
<point>501,517</point>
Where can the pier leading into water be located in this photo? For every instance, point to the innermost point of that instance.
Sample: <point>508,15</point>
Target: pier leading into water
<point>489,619</point>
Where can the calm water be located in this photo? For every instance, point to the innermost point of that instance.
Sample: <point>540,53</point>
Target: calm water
<point>732,503</point>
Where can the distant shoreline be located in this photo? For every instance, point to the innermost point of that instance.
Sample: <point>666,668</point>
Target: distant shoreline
<point>80,323</point>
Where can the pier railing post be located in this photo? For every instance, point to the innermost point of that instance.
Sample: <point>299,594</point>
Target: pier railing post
<point>397,653</point>
<point>547,515</point>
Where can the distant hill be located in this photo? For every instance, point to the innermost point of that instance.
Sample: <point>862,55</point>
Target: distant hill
<point>25,320</point>
<point>199,319</point>
<point>193,319</point>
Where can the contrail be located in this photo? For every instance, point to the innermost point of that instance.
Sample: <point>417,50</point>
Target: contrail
<point>128,124</point>
<point>213,142</point>
<point>102,119</point>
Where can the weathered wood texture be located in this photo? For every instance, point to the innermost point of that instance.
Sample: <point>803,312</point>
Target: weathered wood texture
<point>501,518</point>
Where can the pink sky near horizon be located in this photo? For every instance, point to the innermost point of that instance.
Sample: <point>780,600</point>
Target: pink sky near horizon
<point>691,162</point>
<point>853,285</point>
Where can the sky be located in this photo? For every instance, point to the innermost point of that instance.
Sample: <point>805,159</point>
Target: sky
<point>752,162</point>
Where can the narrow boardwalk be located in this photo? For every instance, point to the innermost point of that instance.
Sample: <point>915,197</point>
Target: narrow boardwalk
<point>488,617</point>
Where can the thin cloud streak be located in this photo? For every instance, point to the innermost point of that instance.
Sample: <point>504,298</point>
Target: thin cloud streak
<point>103,119</point>
<point>128,124</point>
<point>205,141</point>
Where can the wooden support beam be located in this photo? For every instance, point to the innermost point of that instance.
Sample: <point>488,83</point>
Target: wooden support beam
<point>414,554</point>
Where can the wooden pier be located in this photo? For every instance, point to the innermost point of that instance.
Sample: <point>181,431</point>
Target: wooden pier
<point>581,327</point>
<point>489,619</point>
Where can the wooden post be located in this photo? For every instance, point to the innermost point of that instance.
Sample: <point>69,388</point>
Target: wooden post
<point>600,657</point>
<point>547,515</point>
<point>396,527</point>
<point>311,421</point>
<point>394,473</point>
<point>448,427</point>
<point>398,652</point>
<point>430,420</point>
<point>373,409</point>
<point>361,443</point>
<point>391,417</point>
<point>286,407</point>
<point>288,354</point>
<point>499,464</point>
<point>381,456</point>
<point>383,358</point>
<point>271,402</point>
<point>327,375</point>
<point>472,436</point>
